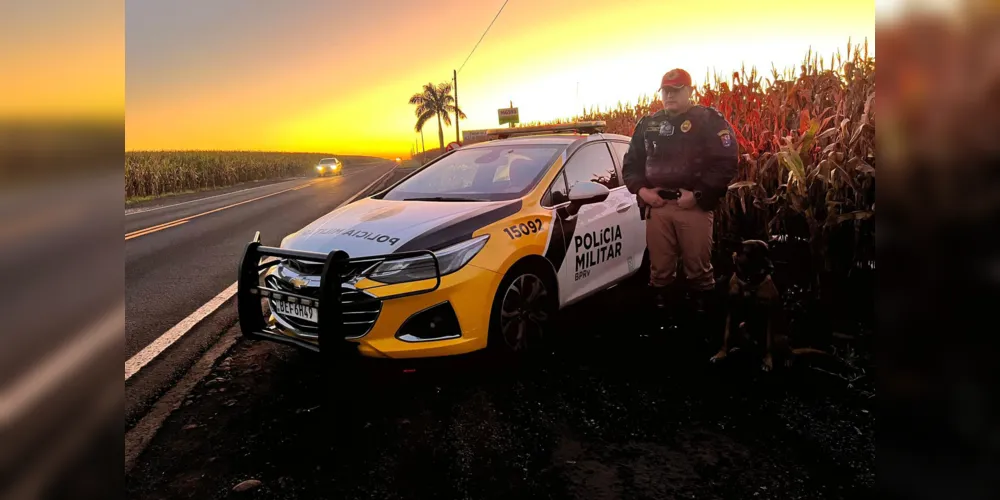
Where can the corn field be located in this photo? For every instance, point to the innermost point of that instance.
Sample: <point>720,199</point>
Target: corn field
<point>807,147</point>
<point>156,173</point>
<point>806,176</point>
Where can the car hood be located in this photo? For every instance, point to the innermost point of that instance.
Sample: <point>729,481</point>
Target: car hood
<point>372,226</point>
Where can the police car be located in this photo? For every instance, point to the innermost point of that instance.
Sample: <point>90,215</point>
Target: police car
<point>477,249</point>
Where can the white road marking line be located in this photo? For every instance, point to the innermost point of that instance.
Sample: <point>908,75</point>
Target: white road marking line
<point>151,351</point>
<point>138,437</point>
<point>165,225</point>
<point>351,199</point>
<point>48,375</point>
<point>133,211</point>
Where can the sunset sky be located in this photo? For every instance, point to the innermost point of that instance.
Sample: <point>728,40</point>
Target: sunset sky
<point>335,76</point>
<point>62,59</point>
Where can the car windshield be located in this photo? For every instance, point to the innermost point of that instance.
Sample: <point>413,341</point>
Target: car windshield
<point>327,161</point>
<point>479,174</point>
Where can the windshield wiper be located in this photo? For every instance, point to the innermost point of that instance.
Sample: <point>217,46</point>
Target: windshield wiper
<point>441,198</point>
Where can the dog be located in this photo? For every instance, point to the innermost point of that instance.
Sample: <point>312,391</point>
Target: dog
<point>752,297</point>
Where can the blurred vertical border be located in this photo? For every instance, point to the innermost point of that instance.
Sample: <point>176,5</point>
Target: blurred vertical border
<point>62,137</point>
<point>939,248</point>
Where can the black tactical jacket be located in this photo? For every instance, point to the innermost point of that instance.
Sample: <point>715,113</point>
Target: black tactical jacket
<point>695,150</point>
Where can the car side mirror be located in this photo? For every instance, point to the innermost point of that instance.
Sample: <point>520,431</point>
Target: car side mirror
<point>586,193</point>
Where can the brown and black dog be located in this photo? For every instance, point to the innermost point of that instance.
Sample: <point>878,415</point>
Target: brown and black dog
<point>752,297</point>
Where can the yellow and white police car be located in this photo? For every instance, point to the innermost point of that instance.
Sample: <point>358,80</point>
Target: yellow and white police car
<point>477,249</point>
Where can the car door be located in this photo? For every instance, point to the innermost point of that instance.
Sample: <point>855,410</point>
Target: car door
<point>595,246</point>
<point>633,227</point>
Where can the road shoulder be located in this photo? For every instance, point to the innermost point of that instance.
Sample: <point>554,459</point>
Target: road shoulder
<point>173,199</point>
<point>636,417</point>
<point>139,436</point>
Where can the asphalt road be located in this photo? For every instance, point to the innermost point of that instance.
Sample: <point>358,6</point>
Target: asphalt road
<point>63,318</point>
<point>66,322</point>
<point>172,270</point>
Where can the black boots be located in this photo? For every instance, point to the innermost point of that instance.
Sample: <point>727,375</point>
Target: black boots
<point>666,304</point>
<point>704,301</point>
<point>674,306</point>
<point>659,296</point>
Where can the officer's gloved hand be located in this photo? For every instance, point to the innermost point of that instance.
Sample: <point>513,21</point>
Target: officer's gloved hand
<point>687,200</point>
<point>651,198</point>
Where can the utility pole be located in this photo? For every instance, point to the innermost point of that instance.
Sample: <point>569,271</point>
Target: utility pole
<point>454,76</point>
<point>511,124</point>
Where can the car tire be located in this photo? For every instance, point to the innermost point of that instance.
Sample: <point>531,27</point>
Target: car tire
<point>524,306</point>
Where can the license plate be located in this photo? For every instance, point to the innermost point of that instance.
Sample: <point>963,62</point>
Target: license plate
<point>294,310</point>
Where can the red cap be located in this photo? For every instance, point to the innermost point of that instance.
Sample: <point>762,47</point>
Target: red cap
<point>675,78</point>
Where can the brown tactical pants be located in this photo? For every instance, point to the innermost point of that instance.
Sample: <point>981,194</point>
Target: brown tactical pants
<point>672,233</point>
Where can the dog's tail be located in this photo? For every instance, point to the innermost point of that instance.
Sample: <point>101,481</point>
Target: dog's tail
<point>809,350</point>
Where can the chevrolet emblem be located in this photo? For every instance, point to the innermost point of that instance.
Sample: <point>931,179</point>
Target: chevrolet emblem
<point>298,283</point>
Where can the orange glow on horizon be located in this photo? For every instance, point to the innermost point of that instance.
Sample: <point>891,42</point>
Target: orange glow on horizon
<point>62,61</point>
<point>310,92</point>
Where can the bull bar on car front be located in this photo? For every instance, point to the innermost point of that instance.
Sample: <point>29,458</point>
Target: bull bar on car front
<point>338,269</point>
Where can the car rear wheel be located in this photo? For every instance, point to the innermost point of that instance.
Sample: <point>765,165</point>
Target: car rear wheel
<point>522,309</point>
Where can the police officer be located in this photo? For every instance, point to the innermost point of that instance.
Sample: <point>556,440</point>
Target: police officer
<point>679,165</point>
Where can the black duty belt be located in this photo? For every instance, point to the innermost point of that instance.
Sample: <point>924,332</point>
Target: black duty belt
<point>669,194</point>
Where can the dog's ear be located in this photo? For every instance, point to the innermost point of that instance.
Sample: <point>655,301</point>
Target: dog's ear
<point>759,245</point>
<point>756,250</point>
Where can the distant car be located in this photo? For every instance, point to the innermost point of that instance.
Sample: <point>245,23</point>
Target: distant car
<point>478,248</point>
<point>329,166</point>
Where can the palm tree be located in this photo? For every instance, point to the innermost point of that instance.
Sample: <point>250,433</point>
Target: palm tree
<point>435,101</point>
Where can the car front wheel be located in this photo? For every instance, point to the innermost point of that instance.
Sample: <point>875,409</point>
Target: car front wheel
<point>522,309</point>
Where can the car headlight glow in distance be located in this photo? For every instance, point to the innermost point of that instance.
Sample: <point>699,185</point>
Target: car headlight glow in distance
<point>450,259</point>
<point>319,167</point>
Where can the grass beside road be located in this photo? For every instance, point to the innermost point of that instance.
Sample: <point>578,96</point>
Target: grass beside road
<point>139,199</point>
<point>152,174</point>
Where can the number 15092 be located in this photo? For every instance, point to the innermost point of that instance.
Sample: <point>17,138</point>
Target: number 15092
<point>523,229</point>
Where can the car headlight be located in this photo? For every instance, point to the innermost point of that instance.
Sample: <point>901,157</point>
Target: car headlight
<point>450,259</point>
<point>319,167</point>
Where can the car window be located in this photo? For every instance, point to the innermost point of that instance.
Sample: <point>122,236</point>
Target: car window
<point>557,192</point>
<point>592,163</point>
<point>619,149</point>
<point>479,174</point>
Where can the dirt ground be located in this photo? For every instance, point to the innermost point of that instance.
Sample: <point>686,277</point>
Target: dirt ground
<point>614,407</point>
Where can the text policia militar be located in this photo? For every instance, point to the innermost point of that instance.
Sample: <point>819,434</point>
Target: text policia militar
<point>596,247</point>
<point>356,233</point>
